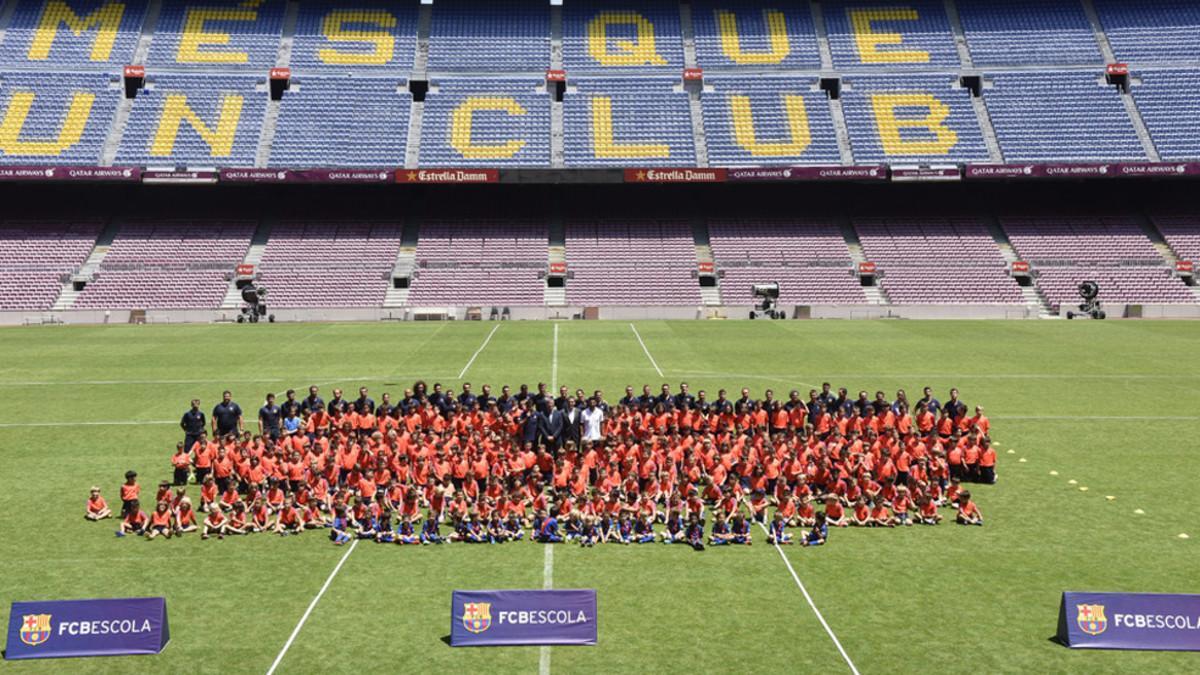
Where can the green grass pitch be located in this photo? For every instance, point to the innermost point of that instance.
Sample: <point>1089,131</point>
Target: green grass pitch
<point>1113,406</point>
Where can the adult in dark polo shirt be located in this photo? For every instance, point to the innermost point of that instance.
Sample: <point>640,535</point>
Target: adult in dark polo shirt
<point>313,402</point>
<point>193,424</point>
<point>227,416</point>
<point>364,403</point>
<point>269,417</point>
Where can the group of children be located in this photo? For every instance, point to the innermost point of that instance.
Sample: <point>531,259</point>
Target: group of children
<point>670,468</point>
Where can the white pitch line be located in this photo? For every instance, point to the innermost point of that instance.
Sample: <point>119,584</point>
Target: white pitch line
<point>554,364</point>
<point>287,645</point>
<point>812,604</point>
<point>1096,417</point>
<point>479,351</point>
<point>547,584</point>
<point>643,344</point>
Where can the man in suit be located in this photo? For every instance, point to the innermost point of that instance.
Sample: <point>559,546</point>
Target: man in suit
<point>530,423</point>
<point>572,430</point>
<point>552,425</point>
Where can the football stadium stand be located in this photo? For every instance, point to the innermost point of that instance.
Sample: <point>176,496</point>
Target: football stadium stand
<point>35,255</point>
<point>56,118</point>
<point>487,123</point>
<point>197,120</point>
<point>1182,234</point>
<point>1152,31</point>
<point>1169,101</point>
<point>631,262</point>
<point>1028,32</point>
<point>342,122</point>
<point>35,35</point>
<point>329,264</point>
<point>863,36</point>
<point>363,36</point>
<point>768,120</point>
<point>167,265</point>
<point>217,34</point>
<point>480,262</point>
<point>899,119</point>
<point>755,35</point>
<point>628,122</point>
<point>809,261</point>
<point>499,36</point>
<point>603,37</point>
<point>1061,117</point>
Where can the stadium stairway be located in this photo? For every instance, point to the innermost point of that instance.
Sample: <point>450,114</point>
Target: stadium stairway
<point>149,27</point>
<point>989,133</point>
<point>254,254</point>
<point>960,36</point>
<point>822,37</point>
<point>1034,300</point>
<point>421,58</point>
<point>709,295</point>
<point>558,154</point>
<point>875,293</point>
<point>556,252</point>
<point>406,260</point>
<point>6,15</point>
<point>84,274</point>
<point>113,141</point>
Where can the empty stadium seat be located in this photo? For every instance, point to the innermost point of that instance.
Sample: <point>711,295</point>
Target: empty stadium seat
<point>504,36</point>
<point>755,35</point>
<point>628,122</point>
<point>81,34</point>
<point>205,120</point>
<point>66,116</point>
<point>631,262</point>
<point>924,119</point>
<point>1169,101</point>
<point>1021,32</point>
<point>329,264</point>
<point>600,36</point>
<point>362,36</point>
<point>1182,233</point>
<point>486,123</point>
<point>768,120</point>
<point>342,122</point>
<point>35,256</point>
<point>1152,31</point>
<point>480,262</point>
<point>217,34</point>
<point>1060,117</point>
<point>889,35</point>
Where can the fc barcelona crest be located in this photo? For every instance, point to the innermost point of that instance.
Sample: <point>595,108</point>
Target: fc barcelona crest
<point>477,616</point>
<point>1091,619</point>
<point>35,629</point>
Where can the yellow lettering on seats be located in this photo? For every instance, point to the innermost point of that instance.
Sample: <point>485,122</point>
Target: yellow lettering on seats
<point>744,134</point>
<point>176,111</point>
<point>889,125</point>
<point>602,136</point>
<point>640,52</point>
<point>195,35</point>
<point>731,43</point>
<point>106,19</point>
<point>382,41</point>
<point>71,132</point>
<point>868,41</point>
<point>462,120</point>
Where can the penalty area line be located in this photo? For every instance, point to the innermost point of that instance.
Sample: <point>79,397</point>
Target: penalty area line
<point>479,351</point>
<point>837,643</point>
<point>287,645</point>
<point>643,344</point>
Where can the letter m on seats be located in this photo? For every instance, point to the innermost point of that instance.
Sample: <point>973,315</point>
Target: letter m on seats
<point>106,19</point>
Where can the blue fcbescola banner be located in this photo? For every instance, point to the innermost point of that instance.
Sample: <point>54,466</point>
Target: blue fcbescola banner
<point>488,618</point>
<point>60,628</point>
<point>1129,621</point>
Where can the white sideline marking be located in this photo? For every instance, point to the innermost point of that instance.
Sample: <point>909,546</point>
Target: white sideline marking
<point>643,344</point>
<point>287,645</point>
<point>260,380</point>
<point>953,376</point>
<point>554,364</point>
<point>812,604</point>
<point>1096,417</point>
<point>547,584</point>
<point>479,351</point>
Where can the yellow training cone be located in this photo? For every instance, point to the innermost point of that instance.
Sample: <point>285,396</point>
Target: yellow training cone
<point>1072,482</point>
<point>1139,512</point>
<point>1183,536</point>
<point>1053,473</point>
<point>1083,488</point>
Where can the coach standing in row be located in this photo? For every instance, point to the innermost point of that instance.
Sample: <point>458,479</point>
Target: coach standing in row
<point>193,424</point>
<point>227,416</point>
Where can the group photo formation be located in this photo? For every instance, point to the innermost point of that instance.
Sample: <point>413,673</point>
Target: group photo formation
<point>436,466</point>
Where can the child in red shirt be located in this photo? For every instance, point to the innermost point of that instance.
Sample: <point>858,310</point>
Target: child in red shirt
<point>968,512</point>
<point>97,508</point>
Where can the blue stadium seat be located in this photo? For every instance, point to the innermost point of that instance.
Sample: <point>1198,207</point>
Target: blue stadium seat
<point>600,36</point>
<point>1026,32</point>
<point>651,123</point>
<point>1152,31</point>
<point>924,119</point>
<point>486,123</point>
<point>342,122</point>
<point>1060,117</point>
<point>922,25</point>
<point>229,109</point>
<point>766,136</point>
<point>360,36</point>
<point>739,35</point>
<point>45,137</point>
<point>1169,101</point>
<point>243,34</point>
<point>76,41</point>
<point>505,36</point>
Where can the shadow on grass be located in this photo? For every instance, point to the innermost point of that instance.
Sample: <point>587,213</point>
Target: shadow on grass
<point>446,639</point>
